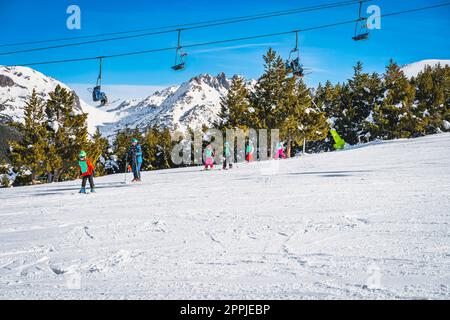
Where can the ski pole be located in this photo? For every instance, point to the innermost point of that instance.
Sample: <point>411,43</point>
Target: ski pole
<point>126,171</point>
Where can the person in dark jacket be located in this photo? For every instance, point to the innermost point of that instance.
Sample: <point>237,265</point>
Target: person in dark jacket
<point>135,157</point>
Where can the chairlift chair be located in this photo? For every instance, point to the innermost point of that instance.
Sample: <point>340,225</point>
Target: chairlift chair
<point>359,27</point>
<point>293,65</point>
<point>180,64</point>
<point>180,56</point>
<point>97,93</point>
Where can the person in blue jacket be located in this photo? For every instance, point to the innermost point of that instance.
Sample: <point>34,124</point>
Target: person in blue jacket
<point>135,157</point>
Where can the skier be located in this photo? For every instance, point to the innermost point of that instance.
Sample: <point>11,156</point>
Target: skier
<point>135,156</point>
<point>86,172</point>
<point>209,157</point>
<point>339,142</point>
<point>228,156</point>
<point>249,150</point>
<point>280,152</point>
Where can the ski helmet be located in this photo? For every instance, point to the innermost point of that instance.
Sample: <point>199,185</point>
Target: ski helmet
<point>134,140</point>
<point>82,154</point>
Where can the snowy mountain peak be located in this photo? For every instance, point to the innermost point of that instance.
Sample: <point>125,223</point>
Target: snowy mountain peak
<point>413,69</point>
<point>194,103</point>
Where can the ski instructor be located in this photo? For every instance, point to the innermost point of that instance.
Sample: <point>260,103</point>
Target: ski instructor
<point>135,156</point>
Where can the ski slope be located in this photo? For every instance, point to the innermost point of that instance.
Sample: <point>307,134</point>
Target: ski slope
<point>370,222</point>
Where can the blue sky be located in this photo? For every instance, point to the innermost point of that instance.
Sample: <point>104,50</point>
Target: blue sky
<point>330,53</point>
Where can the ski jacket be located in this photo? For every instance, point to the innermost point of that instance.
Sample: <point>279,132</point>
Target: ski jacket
<point>135,153</point>
<point>227,150</point>
<point>86,168</point>
<point>279,146</point>
<point>208,153</point>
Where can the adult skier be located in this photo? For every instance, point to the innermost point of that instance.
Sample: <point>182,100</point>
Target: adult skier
<point>86,172</point>
<point>228,157</point>
<point>135,158</point>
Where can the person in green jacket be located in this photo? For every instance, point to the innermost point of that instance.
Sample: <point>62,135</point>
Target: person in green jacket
<point>209,157</point>
<point>228,157</point>
<point>339,142</point>
<point>249,152</point>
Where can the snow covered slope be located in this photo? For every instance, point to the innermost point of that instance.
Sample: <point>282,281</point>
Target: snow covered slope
<point>192,104</point>
<point>413,69</point>
<point>371,222</point>
<point>17,84</point>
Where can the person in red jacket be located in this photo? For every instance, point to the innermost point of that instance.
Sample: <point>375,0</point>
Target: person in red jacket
<point>86,171</point>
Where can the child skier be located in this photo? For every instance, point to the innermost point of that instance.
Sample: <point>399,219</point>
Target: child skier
<point>86,171</point>
<point>249,150</point>
<point>228,156</point>
<point>280,152</point>
<point>209,157</point>
<point>135,155</point>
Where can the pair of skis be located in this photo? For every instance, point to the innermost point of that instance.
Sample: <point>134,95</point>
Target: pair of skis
<point>126,171</point>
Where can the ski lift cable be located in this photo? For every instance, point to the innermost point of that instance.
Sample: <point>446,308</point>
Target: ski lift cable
<point>225,20</point>
<point>99,79</point>
<point>296,40</point>
<point>208,25</point>
<point>231,40</point>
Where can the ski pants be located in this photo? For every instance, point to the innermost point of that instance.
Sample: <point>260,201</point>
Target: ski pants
<point>137,169</point>
<point>85,179</point>
<point>279,154</point>
<point>209,162</point>
<point>227,162</point>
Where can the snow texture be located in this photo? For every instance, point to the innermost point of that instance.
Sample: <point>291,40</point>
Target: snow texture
<point>369,222</point>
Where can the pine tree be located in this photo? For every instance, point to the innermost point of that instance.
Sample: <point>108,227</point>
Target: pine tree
<point>357,102</point>
<point>158,146</point>
<point>395,118</point>
<point>267,98</point>
<point>97,150</point>
<point>121,145</point>
<point>431,101</point>
<point>326,97</point>
<point>374,99</point>
<point>234,111</point>
<point>30,152</point>
<point>67,134</point>
<point>299,119</point>
<point>446,108</point>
